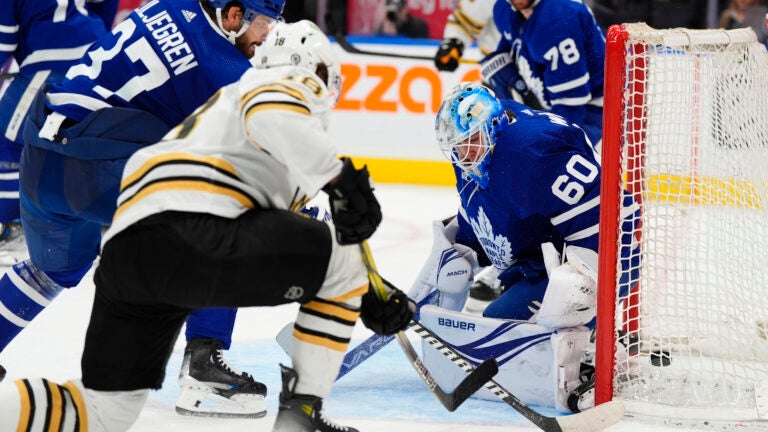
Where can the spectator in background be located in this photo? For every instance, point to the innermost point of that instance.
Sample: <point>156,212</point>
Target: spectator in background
<point>746,13</point>
<point>398,21</point>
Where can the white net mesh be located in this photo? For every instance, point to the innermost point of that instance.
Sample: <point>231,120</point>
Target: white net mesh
<point>695,153</point>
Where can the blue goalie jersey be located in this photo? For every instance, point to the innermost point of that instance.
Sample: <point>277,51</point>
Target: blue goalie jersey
<point>559,52</point>
<point>166,58</point>
<point>543,186</point>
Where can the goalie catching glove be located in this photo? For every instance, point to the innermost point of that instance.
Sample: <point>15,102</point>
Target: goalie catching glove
<point>390,316</point>
<point>355,210</point>
<point>571,296</point>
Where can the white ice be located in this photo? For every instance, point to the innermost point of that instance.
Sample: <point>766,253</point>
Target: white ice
<point>383,394</point>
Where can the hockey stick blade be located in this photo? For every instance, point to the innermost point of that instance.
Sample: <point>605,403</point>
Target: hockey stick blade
<point>362,351</point>
<point>475,380</point>
<point>367,348</point>
<point>590,420</point>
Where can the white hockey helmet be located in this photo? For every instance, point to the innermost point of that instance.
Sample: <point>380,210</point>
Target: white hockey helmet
<point>303,44</point>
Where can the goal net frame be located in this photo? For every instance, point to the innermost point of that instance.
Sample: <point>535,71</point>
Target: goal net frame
<point>625,136</point>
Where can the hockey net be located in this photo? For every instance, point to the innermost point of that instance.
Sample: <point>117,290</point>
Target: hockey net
<point>686,133</point>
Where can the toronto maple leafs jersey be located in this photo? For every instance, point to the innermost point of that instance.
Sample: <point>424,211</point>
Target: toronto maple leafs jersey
<point>471,21</point>
<point>49,34</point>
<point>166,58</point>
<point>257,143</point>
<point>543,186</point>
<point>559,52</point>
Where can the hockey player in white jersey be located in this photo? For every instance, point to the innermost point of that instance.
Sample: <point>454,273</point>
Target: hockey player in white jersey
<point>209,218</point>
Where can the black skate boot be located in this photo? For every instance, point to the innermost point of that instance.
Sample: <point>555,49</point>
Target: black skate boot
<point>2,373</point>
<point>301,413</point>
<point>583,396</point>
<point>212,388</point>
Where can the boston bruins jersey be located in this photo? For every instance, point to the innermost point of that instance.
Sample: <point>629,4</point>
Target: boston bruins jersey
<point>258,143</point>
<point>472,20</point>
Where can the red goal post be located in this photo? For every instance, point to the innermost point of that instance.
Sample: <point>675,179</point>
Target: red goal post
<point>686,133</point>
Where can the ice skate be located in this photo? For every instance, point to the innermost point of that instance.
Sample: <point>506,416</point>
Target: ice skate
<point>583,397</point>
<point>2,373</point>
<point>484,289</point>
<point>301,413</point>
<point>212,388</point>
<point>13,245</point>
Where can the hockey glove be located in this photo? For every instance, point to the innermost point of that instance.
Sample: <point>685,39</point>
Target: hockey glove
<point>355,210</point>
<point>501,74</point>
<point>387,317</point>
<point>448,54</point>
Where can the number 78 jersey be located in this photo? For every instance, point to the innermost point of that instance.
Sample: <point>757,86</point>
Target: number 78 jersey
<point>559,51</point>
<point>543,186</point>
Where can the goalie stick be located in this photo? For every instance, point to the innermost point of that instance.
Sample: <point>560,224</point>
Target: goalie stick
<point>596,418</point>
<point>338,35</point>
<point>475,378</point>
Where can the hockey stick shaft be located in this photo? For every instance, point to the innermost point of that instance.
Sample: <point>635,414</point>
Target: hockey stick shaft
<point>474,380</point>
<point>7,76</point>
<point>338,35</point>
<point>348,47</point>
<point>593,419</point>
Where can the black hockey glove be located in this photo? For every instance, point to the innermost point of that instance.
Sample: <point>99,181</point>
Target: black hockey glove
<point>387,318</point>
<point>356,212</point>
<point>448,55</point>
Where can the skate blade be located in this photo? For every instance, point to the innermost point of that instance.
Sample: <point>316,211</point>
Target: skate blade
<point>202,402</point>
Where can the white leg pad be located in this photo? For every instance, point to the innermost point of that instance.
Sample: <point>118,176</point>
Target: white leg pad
<point>535,364</point>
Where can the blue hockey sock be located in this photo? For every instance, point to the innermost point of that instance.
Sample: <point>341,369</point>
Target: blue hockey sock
<point>24,293</point>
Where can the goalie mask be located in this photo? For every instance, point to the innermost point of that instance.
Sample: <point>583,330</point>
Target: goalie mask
<point>271,9</point>
<point>464,128</point>
<point>303,44</point>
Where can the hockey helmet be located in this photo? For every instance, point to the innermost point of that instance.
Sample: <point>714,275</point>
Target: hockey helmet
<point>465,126</point>
<point>303,44</point>
<point>270,8</point>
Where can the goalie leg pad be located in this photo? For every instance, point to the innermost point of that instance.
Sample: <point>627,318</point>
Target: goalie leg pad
<point>537,365</point>
<point>523,351</point>
<point>448,268</point>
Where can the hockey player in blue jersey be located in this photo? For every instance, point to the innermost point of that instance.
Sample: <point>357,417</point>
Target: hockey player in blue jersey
<point>529,189</point>
<point>556,50</point>
<point>131,87</point>
<point>228,234</point>
<point>45,38</point>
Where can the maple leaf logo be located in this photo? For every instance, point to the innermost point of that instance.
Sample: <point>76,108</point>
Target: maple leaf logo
<point>497,247</point>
